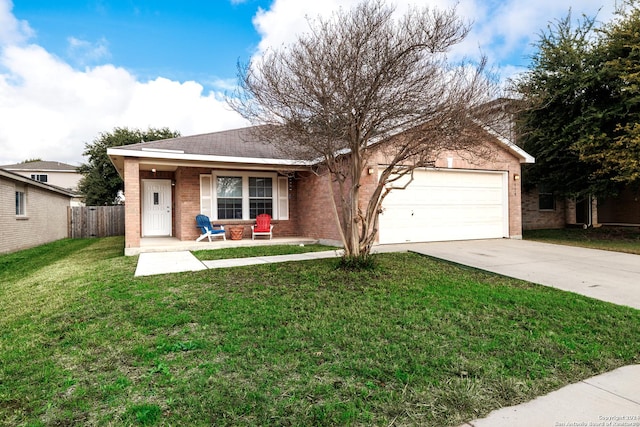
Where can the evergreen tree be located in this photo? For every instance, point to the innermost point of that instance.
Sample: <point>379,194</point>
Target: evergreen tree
<point>582,102</point>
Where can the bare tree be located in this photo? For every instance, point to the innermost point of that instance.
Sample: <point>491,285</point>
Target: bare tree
<point>363,83</point>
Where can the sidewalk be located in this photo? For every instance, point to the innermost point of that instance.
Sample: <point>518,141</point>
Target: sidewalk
<point>151,263</point>
<point>610,399</point>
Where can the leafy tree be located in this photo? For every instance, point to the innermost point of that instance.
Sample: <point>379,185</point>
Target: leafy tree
<point>616,148</point>
<point>340,91</point>
<point>582,106</point>
<point>31,160</point>
<point>556,93</point>
<point>101,182</point>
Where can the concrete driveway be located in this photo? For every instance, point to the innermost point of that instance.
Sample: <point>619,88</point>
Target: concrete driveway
<point>604,275</point>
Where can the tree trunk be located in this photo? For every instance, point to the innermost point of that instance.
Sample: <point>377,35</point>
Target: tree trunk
<point>352,223</point>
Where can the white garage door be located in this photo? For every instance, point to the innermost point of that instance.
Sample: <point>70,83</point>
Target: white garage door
<point>447,205</point>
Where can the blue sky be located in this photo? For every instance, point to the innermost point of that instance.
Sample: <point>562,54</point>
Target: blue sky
<point>177,39</point>
<point>71,69</point>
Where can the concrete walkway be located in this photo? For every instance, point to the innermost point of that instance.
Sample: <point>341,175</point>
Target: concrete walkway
<point>151,263</point>
<point>610,399</point>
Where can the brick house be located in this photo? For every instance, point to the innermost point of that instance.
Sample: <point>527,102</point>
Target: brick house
<point>231,176</point>
<point>542,210</point>
<point>32,213</point>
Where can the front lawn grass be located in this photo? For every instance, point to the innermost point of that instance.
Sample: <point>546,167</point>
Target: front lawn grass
<point>414,342</point>
<point>618,239</point>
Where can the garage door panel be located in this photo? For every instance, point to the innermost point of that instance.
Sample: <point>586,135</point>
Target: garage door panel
<point>437,205</point>
<point>443,196</point>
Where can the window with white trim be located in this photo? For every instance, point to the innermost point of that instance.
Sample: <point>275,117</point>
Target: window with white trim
<point>21,200</point>
<point>39,177</point>
<point>229,197</point>
<point>260,196</point>
<point>244,195</point>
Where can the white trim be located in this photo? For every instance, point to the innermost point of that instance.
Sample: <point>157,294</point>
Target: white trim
<point>162,150</point>
<point>22,203</point>
<point>505,205</point>
<point>206,200</point>
<point>283,197</point>
<point>245,175</point>
<point>526,157</point>
<point>206,158</point>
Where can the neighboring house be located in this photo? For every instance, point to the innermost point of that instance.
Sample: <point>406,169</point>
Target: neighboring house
<point>623,209</point>
<point>53,173</point>
<point>231,176</point>
<point>31,212</point>
<point>541,209</point>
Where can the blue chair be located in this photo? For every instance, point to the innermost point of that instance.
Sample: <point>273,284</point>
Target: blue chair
<point>207,229</point>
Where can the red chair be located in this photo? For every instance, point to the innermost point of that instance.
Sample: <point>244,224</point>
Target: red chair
<point>263,227</point>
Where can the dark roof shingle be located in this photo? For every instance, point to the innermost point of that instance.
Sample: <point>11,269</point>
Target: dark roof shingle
<point>243,142</point>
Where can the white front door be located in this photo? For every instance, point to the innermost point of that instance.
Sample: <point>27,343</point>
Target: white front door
<point>156,207</point>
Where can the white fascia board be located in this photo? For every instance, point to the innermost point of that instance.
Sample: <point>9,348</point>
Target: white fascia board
<point>526,157</point>
<point>205,158</point>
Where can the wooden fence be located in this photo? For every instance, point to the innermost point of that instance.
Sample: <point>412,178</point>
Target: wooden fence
<point>95,221</point>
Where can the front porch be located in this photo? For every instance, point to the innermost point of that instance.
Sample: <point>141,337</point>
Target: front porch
<point>172,244</point>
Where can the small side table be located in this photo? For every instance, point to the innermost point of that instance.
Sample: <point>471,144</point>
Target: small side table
<point>236,232</point>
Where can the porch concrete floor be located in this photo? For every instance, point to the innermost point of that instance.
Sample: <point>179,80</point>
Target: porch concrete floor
<point>172,244</point>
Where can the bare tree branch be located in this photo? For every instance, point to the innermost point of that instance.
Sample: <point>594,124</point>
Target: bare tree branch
<point>364,83</point>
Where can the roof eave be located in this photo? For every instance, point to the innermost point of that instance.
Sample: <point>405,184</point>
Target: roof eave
<point>113,153</point>
<point>507,144</point>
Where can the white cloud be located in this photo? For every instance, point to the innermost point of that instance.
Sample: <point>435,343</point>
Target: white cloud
<point>50,110</point>
<point>226,85</point>
<point>502,30</point>
<point>12,30</point>
<point>84,52</point>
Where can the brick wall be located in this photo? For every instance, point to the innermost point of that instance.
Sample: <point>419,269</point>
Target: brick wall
<point>132,219</point>
<point>187,206</point>
<point>45,220</point>
<point>187,201</point>
<point>314,205</point>
<point>535,219</point>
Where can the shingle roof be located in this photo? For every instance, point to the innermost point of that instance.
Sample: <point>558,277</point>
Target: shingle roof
<point>40,166</point>
<point>244,142</point>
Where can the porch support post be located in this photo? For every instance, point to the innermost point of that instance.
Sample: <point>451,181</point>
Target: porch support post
<point>132,203</point>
